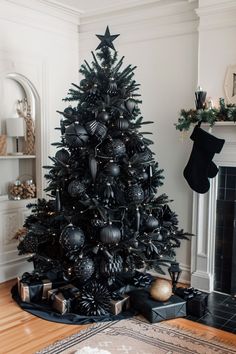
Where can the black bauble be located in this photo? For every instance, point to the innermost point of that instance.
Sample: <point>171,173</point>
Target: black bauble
<point>135,194</point>
<point>76,188</point>
<point>146,155</point>
<point>62,155</point>
<point>111,266</point>
<point>103,116</point>
<point>130,105</point>
<point>112,169</point>
<point>68,112</point>
<point>115,148</point>
<point>110,234</point>
<point>72,238</point>
<point>76,135</point>
<point>151,223</point>
<point>84,268</point>
<point>122,124</point>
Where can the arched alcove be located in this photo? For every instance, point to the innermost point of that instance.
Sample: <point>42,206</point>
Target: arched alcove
<point>33,98</point>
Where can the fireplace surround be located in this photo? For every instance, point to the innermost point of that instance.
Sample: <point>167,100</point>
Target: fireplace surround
<point>213,221</point>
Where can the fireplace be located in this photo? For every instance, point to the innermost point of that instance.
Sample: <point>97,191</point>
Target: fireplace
<point>213,259</point>
<point>225,233</point>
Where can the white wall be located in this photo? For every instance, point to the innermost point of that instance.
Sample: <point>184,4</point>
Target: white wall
<point>41,43</point>
<point>163,43</point>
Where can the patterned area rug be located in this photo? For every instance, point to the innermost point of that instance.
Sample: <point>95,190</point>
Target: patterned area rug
<point>134,336</point>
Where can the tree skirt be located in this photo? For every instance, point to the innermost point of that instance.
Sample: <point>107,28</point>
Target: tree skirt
<point>44,311</point>
<point>136,336</point>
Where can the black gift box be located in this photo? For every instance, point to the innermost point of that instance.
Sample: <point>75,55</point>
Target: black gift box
<point>196,301</point>
<point>34,288</point>
<point>156,311</point>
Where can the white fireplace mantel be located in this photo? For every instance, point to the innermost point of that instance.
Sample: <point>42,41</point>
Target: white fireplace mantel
<point>204,212</point>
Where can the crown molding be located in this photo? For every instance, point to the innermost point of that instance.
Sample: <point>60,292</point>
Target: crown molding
<point>39,17</point>
<point>216,15</point>
<point>144,22</point>
<point>51,8</point>
<point>140,12</point>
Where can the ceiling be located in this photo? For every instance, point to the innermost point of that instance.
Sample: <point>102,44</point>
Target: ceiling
<point>88,6</point>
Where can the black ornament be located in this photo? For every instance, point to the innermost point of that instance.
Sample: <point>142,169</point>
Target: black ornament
<point>111,266</point>
<point>142,280</point>
<point>110,234</point>
<point>107,39</point>
<point>84,84</point>
<point>58,200</point>
<point>84,268</point>
<point>76,135</point>
<point>122,123</point>
<point>94,300</point>
<point>93,167</point>
<point>135,194</point>
<point>97,223</point>
<point>97,129</point>
<point>103,116</point>
<point>146,155</point>
<point>29,244</point>
<point>112,169</point>
<point>130,105</point>
<point>76,188</point>
<point>112,87</point>
<point>68,112</point>
<point>151,223</point>
<point>93,95</point>
<point>62,155</point>
<point>72,238</point>
<point>115,148</point>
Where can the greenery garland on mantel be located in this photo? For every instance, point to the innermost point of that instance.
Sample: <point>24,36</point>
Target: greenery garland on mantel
<point>225,113</point>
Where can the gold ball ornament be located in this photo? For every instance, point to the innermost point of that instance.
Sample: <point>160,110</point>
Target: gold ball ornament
<point>161,290</point>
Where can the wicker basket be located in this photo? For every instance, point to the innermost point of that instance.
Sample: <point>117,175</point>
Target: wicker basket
<point>3,145</point>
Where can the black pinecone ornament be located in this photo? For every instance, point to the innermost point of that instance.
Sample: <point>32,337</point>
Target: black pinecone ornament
<point>62,155</point>
<point>111,266</point>
<point>29,244</point>
<point>72,238</point>
<point>135,194</point>
<point>76,135</point>
<point>84,269</point>
<point>76,188</point>
<point>94,300</point>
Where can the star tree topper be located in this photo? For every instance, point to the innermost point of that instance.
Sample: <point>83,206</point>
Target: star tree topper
<point>107,39</point>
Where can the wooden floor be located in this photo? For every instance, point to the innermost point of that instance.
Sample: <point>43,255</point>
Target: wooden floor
<point>22,333</point>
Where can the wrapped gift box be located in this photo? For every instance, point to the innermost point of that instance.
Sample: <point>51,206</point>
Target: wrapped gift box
<point>120,303</point>
<point>34,288</point>
<point>156,311</point>
<point>64,299</point>
<point>197,301</point>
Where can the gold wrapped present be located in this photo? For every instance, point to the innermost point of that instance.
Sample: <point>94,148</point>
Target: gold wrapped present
<point>119,303</point>
<point>64,299</point>
<point>34,288</point>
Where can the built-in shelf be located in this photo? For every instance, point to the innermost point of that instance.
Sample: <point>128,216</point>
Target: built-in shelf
<point>223,123</point>
<point>10,157</point>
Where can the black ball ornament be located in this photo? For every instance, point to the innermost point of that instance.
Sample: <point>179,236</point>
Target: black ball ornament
<point>76,188</point>
<point>68,112</point>
<point>112,266</point>
<point>72,238</point>
<point>110,234</point>
<point>146,154</point>
<point>84,268</point>
<point>151,223</point>
<point>112,169</point>
<point>103,116</point>
<point>115,148</point>
<point>135,194</point>
<point>76,135</point>
<point>130,105</point>
<point>122,123</point>
<point>62,155</point>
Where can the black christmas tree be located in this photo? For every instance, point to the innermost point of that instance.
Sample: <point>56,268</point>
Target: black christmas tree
<point>103,216</point>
